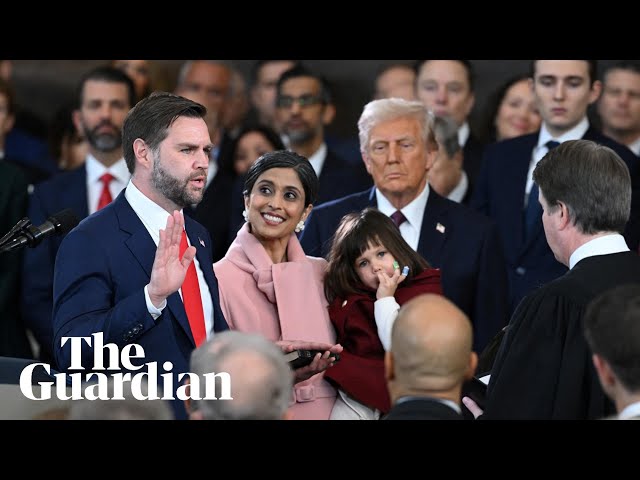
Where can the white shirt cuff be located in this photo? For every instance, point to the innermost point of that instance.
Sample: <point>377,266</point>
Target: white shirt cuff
<point>155,312</point>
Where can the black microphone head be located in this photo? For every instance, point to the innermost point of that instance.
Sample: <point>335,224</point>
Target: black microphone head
<point>64,221</point>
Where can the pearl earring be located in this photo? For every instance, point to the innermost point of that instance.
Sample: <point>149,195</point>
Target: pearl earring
<point>299,226</point>
<point>245,215</point>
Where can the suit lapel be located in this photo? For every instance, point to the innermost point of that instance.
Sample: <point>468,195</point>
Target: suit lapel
<point>435,229</point>
<point>434,226</point>
<point>516,175</point>
<point>76,197</point>
<point>143,249</point>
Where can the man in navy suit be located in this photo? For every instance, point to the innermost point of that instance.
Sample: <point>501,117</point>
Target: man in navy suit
<point>105,95</point>
<point>303,108</point>
<point>110,277</point>
<point>398,149</point>
<point>563,90</point>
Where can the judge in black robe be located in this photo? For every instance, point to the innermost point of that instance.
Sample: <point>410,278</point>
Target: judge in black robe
<point>543,369</point>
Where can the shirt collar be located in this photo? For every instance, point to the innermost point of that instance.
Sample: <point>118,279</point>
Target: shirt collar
<point>635,147</point>
<point>317,158</point>
<point>605,245</point>
<point>630,411</point>
<point>576,133</point>
<point>150,213</point>
<point>413,211</point>
<point>444,401</point>
<point>463,134</point>
<point>95,170</point>
<point>460,190</point>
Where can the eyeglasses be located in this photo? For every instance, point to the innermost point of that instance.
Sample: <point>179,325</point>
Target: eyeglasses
<point>303,101</point>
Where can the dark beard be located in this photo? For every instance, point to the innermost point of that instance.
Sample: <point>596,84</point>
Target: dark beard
<point>174,189</point>
<point>104,142</point>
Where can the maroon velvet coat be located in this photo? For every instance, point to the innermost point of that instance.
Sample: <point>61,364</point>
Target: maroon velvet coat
<point>360,370</point>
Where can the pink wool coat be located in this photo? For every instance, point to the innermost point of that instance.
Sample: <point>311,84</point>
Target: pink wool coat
<point>283,301</point>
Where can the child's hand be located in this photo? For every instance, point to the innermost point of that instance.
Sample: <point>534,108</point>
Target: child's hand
<point>388,285</point>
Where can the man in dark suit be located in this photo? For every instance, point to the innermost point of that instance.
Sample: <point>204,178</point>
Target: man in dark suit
<point>543,369</point>
<point>398,149</point>
<point>619,104</point>
<point>429,360</point>
<point>447,88</point>
<point>563,90</point>
<point>13,206</point>
<point>303,108</point>
<point>110,277</point>
<point>105,95</point>
<point>209,83</point>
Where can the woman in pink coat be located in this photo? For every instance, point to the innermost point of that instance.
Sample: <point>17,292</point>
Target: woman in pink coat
<point>267,284</point>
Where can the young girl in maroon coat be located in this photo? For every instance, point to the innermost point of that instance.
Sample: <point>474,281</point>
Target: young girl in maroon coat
<point>365,287</point>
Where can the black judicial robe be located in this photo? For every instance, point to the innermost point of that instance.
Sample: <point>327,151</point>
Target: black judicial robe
<point>543,369</point>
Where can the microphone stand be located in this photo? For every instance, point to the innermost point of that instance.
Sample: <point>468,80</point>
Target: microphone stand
<point>18,228</point>
<point>22,229</point>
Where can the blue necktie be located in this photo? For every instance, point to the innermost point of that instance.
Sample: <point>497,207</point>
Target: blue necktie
<point>534,209</point>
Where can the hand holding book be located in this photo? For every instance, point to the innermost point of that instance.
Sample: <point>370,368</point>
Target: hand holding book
<point>324,355</point>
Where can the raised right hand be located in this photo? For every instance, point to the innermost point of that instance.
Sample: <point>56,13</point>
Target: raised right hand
<point>169,270</point>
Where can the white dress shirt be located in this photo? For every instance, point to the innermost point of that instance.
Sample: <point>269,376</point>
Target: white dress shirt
<point>576,133</point>
<point>154,218</point>
<point>318,158</point>
<point>95,170</point>
<point>413,212</point>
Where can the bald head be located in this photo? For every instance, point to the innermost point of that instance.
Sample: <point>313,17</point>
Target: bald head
<point>431,345</point>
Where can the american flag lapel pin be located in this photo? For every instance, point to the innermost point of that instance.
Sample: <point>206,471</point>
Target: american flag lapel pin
<point>440,227</point>
<point>201,241</point>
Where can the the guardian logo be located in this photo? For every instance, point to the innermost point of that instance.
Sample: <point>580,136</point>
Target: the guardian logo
<point>95,385</point>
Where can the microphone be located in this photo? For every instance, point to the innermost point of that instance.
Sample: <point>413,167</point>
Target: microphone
<point>59,223</point>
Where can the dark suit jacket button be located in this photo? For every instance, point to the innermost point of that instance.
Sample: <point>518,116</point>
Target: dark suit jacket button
<point>521,270</point>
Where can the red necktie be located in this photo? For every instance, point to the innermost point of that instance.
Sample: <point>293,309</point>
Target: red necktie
<point>191,297</point>
<point>105,196</point>
<point>398,218</point>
